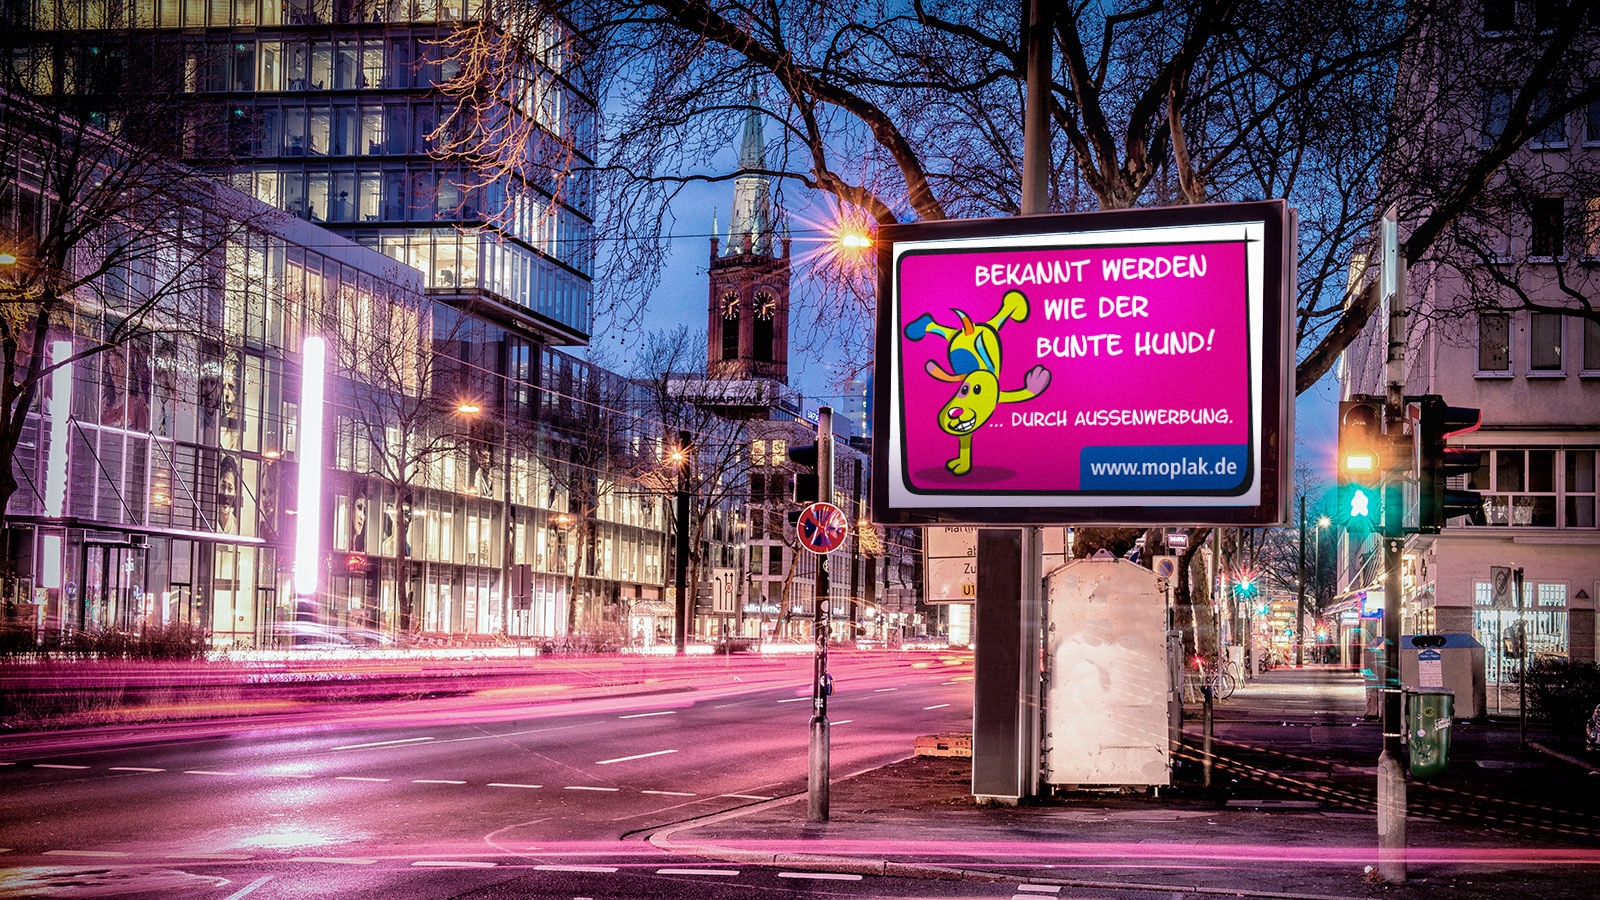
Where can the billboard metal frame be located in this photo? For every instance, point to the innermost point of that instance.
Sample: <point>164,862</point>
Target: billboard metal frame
<point>1270,434</point>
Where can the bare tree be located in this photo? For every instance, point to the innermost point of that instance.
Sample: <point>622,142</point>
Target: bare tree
<point>903,112</point>
<point>592,451</point>
<point>406,403</point>
<point>682,398</point>
<point>112,244</point>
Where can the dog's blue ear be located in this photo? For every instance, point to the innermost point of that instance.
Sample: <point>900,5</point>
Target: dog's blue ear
<point>919,329</point>
<point>963,362</point>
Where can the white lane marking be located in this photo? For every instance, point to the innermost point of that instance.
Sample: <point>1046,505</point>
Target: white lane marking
<point>134,769</point>
<point>727,872</point>
<point>249,888</point>
<point>604,870</point>
<point>664,712</point>
<point>794,700</point>
<point>221,856</point>
<point>580,787</point>
<point>356,778</point>
<point>206,772</point>
<point>821,876</point>
<point>1040,888</point>
<point>744,796</point>
<point>383,743</point>
<point>943,683</point>
<point>435,781</point>
<point>341,860</point>
<point>884,690</point>
<point>7,763</point>
<point>285,775</point>
<point>842,722</point>
<point>607,762</point>
<point>453,863</point>
<point>56,766</point>
<point>937,706</point>
<point>513,785</point>
<point>671,793</point>
<point>104,853</point>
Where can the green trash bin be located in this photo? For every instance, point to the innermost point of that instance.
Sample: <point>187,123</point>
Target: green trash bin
<point>1428,728</point>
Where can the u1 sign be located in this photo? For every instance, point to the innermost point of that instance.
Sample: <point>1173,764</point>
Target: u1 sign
<point>1124,367</point>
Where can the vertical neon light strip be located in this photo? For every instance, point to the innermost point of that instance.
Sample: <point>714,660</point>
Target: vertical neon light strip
<point>308,525</point>
<point>55,470</point>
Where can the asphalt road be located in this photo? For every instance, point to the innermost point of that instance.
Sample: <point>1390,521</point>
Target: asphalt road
<point>484,796</point>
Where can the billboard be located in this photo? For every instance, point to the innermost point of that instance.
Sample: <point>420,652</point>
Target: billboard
<point>1124,367</point>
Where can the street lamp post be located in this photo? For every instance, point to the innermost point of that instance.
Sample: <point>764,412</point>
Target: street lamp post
<point>681,561</point>
<point>1300,595</point>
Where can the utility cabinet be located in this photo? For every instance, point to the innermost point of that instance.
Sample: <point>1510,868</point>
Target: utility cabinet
<point>1108,690</point>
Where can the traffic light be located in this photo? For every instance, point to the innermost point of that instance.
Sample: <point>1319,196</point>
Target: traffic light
<point>1437,463</point>
<point>1246,589</point>
<point>1361,462</point>
<point>805,481</point>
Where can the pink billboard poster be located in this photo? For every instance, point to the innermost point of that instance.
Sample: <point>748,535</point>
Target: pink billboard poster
<point>1076,370</point>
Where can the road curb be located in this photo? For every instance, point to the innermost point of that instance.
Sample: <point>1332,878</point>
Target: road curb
<point>662,839</point>
<point>1564,757</point>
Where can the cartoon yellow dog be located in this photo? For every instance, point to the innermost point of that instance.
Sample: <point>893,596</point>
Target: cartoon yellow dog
<point>974,355</point>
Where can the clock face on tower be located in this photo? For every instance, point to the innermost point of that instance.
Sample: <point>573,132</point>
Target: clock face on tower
<point>730,305</point>
<point>766,305</point>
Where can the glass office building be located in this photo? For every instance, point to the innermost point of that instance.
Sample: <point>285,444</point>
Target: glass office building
<point>332,111</point>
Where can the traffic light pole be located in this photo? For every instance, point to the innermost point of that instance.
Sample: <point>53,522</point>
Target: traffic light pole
<point>817,750</point>
<point>1391,774</point>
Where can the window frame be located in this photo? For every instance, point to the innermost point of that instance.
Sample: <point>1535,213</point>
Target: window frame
<point>1560,368</point>
<point>1486,481</point>
<point>1538,211</point>
<point>1589,340</point>
<point>1508,371</point>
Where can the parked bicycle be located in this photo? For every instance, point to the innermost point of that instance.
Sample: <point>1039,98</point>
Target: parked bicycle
<point>1219,679</point>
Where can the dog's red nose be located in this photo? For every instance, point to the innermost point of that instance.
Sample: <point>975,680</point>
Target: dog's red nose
<point>954,412</point>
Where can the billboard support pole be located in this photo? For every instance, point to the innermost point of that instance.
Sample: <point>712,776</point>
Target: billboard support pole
<point>1007,669</point>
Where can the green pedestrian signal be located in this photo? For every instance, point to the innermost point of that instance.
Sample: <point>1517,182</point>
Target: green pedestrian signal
<point>1361,462</point>
<point>1361,503</point>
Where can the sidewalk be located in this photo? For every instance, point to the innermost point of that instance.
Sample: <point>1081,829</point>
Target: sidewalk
<point>1290,813</point>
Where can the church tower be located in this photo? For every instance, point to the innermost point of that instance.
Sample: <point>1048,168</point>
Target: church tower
<point>747,334</point>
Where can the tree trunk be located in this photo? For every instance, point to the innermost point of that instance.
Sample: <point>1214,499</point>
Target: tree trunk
<point>1183,592</point>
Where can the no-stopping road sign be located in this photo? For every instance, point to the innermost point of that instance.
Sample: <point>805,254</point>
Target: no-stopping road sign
<point>822,527</point>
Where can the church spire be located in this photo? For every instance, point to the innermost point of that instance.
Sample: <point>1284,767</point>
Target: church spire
<point>750,228</point>
<point>753,149</point>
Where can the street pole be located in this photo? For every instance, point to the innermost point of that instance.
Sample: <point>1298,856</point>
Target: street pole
<point>817,749</point>
<point>681,561</point>
<point>508,545</point>
<point>1522,645</point>
<point>1391,775</point>
<point>1300,597</point>
<point>855,552</point>
<point>1036,114</point>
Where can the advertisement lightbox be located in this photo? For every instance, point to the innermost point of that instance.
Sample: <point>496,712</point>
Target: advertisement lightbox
<point>1124,367</point>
